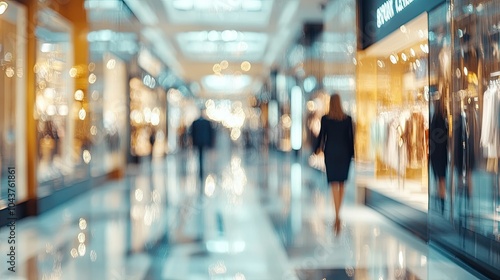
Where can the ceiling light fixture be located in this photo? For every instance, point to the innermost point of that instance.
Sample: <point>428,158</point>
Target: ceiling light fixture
<point>142,11</point>
<point>226,83</point>
<point>183,5</point>
<point>229,35</point>
<point>225,5</point>
<point>252,5</point>
<point>213,36</point>
<point>224,45</point>
<point>3,7</point>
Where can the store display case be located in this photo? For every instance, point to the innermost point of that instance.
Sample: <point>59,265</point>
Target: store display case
<point>57,105</point>
<point>465,65</point>
<point>147,117</point>
<point>13,45</point>
<point>393,118</point>
<point>109,113</point>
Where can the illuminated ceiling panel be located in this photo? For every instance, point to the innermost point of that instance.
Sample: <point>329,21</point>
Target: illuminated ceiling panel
<point>228,44</point>
<point>234,84</point>
<point>219,12</point>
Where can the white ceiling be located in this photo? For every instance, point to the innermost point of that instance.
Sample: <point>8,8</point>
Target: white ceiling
<point>194,38</point>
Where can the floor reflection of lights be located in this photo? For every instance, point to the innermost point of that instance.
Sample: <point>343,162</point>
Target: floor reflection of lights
<point>243,221</point>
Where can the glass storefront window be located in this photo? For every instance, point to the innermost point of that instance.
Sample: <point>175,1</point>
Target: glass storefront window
<point>474,108</point>
<point>465,64</point>
<point>109,119</point>
<point>56,109</point>
<point>13,100</point>
<point>147,117</point>
<point>392,124</point>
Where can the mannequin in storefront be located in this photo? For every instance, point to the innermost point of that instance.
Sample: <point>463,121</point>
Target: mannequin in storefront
<point>152,139</point>
<point>336,139</point>
<point>465,146</point>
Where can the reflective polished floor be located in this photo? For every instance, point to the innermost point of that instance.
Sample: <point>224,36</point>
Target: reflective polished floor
<point>257,215</point>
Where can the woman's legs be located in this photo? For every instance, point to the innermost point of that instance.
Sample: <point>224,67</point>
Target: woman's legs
<point>442,192</point>
<point>338,195</point>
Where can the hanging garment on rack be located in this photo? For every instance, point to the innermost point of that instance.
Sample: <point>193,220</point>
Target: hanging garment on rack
<point>489,130</point>
<point>378,134</point>
<point>397,157</point>
<point>414,137</point>
<point>490,139</point>
<point>464,135</point>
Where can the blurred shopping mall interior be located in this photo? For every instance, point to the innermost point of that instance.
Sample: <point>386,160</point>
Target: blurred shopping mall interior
<point>100,177</point>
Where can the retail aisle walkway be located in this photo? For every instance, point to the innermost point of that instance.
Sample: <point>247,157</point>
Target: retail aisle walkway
<point>255,218</point>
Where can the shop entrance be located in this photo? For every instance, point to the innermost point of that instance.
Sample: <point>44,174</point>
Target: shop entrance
<point>393,118</point>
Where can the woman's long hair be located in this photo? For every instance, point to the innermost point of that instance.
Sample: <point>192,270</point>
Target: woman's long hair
<point>335,111</point>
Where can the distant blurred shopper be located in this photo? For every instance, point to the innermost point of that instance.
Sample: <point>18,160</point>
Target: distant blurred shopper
<point>336,139</point>
<point>152,140</point>
<point>202,134</point>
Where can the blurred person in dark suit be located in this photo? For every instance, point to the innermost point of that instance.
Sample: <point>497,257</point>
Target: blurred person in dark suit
<point>202,135</point>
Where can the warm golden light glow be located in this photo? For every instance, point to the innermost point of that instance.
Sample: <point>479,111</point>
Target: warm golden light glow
<point>235,134</point>
<point>111,64</point>
<point>72,72</point>
<point>311,106</point>
<point>79,95</point>
<point>92,78</point>
<point>217,68</point>
<point>82,223</point>
<point>9,72</point>
<point>81,237</point>
<point>245,66</point>
<point>86,156</point>
<point>82,114</point>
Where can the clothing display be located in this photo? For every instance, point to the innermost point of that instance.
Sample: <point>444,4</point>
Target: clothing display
<point>337,138</point>
<point>398,137</point>
<point>490,120</point>
<point>464,136</point>
<point>414,137</point>
<point>395,155</point>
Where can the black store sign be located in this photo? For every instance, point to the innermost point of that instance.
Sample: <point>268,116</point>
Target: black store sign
<point>379,18</point>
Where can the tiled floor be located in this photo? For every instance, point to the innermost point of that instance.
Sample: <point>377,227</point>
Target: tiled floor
<point>256,216</point>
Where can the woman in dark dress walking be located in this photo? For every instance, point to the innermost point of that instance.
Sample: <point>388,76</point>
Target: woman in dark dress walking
<point>336,139</point>
<point>438,145</point>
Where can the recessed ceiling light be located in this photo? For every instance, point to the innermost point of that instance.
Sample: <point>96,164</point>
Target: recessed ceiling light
<point>226,83</point>
<point>229,35</point>
<point>3,7</point>
<point>252,5</point>
<point>213,36</point>
<point>183,5</point>
<point>393,59</point>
